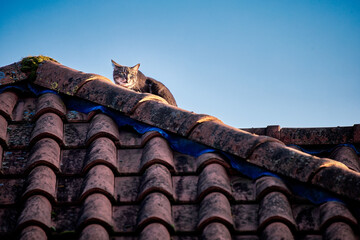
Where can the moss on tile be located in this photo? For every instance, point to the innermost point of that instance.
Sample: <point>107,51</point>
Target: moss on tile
<point>30,64</point>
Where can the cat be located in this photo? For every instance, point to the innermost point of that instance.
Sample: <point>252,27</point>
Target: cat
<point>132,78</point>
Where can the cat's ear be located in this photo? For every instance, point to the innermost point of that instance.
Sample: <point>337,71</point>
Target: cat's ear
<point>114,64</point>
<point>136,67</point>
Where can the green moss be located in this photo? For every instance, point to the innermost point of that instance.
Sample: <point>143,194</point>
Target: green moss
<point>30,64</point>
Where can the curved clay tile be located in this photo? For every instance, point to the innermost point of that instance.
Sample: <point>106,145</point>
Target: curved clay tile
<point>149,135</point>
<point>101,150</point>
<point>12,74</point>
<point>335,211</point>
<point>307,217</point>
<point>245,217</point>
<point>155,208</point>
<point>277,230</point>
<point>209,158</point>
<point>50,102</point>
<point>37,211</point>
<point>267,184</point>
<point>227,138</point>
<point>275,207</point>
<point>48,125</point>
<point>215,231</point>
<point>156,178</point>
<point>213,178</point>
<point>154,231</point>
<point>94,232</point>
<point>185,188</point>
<point>215,207</point>
<point>157,150</point>
<point>8,101</point>
<point>45,152</point>
<point>100,178</point>
<point>41,180</point>
<point>33,232</point>
<point>347,156</point>
<point>102,126</point>
<point>96,209</point>
<point>63,79</point>
<point>339,230</point>
<point>3,131</point>
<point>276,157</point>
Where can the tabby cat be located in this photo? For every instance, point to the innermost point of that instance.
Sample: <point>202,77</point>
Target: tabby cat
<point>132,78</point>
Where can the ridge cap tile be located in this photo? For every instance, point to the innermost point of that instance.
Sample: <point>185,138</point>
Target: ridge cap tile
<point>347,156</point>
<point>11,74</point>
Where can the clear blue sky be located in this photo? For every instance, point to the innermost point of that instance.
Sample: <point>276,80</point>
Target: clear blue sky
<point>249,63</point>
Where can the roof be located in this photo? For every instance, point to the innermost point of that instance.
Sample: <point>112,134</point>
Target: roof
<point>83,158</point>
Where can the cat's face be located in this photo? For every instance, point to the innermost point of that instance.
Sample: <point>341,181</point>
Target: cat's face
<point>125,76</point>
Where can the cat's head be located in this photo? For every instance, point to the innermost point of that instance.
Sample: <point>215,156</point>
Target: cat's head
<point>125,76</point>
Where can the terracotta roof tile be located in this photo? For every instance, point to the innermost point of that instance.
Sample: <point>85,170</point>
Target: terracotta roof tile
<point>335,211</point>
<point>157,150</point>
<point>215,207</point>
<point>45,152</point>
<point>339,230</point>
<point>67,174</point>
<point>267,184</point>
<point>8,101</point>
<point>155,231</point>
<point>213,178</point>
<point>96,209</point>
<point>36,211</point>
<point>50,102</point>
<point>48,125</point>
<point>347,156</point>
<point>277,230</point>
<point>94,232</point>
<point>12,74</point>
<point>32,232</point>
<point>216,231</point>
<point>100,179</point>
<point>156,178</point>
<point>41,180</point>
<point>155,207</point>
<point>102,150</point>
<point>104,126</point>
<point>275,207</point>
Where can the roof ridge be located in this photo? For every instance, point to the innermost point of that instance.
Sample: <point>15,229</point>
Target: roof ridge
<point>263,151</point>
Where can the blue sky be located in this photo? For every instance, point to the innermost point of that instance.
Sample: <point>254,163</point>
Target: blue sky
<point>248,63</point>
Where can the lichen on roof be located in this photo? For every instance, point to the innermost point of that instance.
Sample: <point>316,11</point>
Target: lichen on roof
<point>30,64</point>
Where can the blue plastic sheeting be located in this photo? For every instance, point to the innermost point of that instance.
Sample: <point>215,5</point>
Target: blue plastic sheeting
<point>181,144</point>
